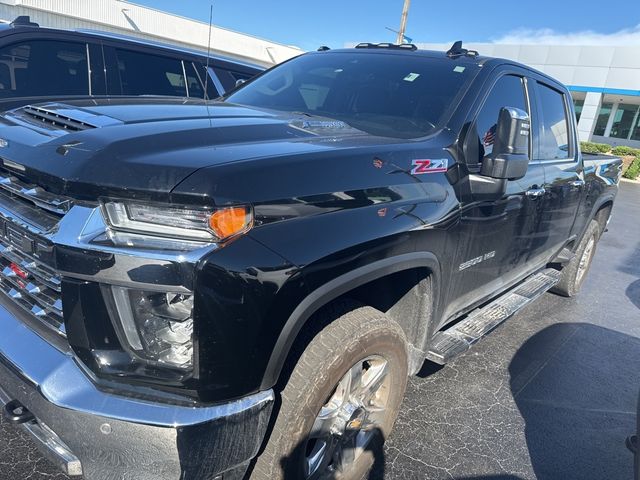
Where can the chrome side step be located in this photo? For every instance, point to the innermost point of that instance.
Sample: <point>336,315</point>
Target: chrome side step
<point>448,344</point>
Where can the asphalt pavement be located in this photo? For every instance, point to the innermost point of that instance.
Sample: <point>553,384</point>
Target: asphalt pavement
<point>551,394</point>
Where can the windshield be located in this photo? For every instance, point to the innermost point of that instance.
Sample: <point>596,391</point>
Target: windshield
<point>400,96</point>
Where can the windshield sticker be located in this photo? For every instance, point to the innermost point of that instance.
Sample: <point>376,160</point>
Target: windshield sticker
<point>411,77</point>
<point>421,166</point>
<point>459,69</point>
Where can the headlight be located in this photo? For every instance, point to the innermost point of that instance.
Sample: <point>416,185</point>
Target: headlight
<point>128,219</point>
<point>157,326</point>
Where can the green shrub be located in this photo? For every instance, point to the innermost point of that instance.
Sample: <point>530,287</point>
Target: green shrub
<point>592,147</point>
<point>624,150</point>
<point>634,169</point>
<point>589,147</point>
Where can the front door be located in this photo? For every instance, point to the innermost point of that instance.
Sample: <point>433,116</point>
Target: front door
<point>497,238</point>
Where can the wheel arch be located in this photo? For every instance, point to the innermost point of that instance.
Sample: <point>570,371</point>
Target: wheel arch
<point>602,212</point>
<point>343,285</point>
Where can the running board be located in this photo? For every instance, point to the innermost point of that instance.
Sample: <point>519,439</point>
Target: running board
<point>448,344</point>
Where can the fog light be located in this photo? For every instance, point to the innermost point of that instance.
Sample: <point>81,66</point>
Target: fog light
<point>157,326</point>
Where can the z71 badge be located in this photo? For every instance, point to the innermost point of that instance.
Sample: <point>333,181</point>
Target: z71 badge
<point>421,166</point>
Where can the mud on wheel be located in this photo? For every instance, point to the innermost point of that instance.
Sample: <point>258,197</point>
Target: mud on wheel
<point>341,399</point>
<point>575,272</point>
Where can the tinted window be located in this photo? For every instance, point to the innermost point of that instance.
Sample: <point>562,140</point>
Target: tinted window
<point>623,121</point>
<point>554,136</point>
<point>144,74</point>
<point>228,78</point>
<point>507,92</point>
<point>41,68</point>
<point>405,96</point>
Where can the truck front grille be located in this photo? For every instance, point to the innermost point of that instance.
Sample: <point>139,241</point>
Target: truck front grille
<point>32,285</point>
<point>27,214</point>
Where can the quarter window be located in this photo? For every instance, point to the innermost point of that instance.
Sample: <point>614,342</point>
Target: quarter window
<point>43,68</point>
<point>554,134</point>
<point>507,92</point>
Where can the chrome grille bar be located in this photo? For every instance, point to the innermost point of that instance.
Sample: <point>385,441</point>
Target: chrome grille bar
<point>31,285</point>
<point>39,271</point>
<point>34,194</point>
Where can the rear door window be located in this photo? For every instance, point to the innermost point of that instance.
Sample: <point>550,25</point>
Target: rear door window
<point>43,68</point>
<point>554,134</point>
<point>145,74</point>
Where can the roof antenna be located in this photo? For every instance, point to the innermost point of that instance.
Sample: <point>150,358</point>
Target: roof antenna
<point>206,77</point>
<point>456,50</point>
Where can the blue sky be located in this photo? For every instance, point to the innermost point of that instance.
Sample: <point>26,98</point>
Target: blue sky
<point>309,24</point>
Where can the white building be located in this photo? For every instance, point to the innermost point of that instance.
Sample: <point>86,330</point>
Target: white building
<point>130,19</point>
<point>604,82</point>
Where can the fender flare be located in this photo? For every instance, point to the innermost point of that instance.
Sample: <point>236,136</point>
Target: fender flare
<point>337,287</point>
<point>606,198</point>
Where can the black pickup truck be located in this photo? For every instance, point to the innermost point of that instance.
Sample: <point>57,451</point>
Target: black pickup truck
<point>211,290</point>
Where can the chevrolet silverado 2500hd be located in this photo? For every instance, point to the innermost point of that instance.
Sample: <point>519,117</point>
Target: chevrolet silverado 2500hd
<point>212,290</point>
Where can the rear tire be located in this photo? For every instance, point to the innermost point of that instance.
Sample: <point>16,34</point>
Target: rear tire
<point>573,274</point>
<point>344,391</point>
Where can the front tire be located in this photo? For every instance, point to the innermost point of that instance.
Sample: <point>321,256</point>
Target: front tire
<point>341,399</point>
<point>573,274</point>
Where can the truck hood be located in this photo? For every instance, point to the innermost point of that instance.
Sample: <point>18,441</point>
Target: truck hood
<point>147,146</point>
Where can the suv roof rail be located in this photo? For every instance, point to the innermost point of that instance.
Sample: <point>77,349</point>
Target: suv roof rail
<point>402,46</point>
<point>456,50</point>
<point>24,21</point>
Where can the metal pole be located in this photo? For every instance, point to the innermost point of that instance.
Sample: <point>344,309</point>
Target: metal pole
<point>403,22</point>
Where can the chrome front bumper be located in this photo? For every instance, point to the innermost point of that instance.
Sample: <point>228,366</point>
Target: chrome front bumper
<point>105,436</point>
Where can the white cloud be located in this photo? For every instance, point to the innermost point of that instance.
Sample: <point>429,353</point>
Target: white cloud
<point>546,36</point>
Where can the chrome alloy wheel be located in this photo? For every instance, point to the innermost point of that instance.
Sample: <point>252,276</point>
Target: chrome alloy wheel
<point>348,421</point>
<point>585,260</point>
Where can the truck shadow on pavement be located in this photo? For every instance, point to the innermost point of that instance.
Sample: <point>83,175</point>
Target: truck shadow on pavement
<point>576,386</point>
<point>633,293</point>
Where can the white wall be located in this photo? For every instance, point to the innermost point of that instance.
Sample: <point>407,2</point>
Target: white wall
<point>590,66</point>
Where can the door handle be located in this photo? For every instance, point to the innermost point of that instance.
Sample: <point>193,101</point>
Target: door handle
<point>577,183</point>
<point>535,192</point>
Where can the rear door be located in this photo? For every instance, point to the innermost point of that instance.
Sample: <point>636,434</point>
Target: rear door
<point>564,185</point>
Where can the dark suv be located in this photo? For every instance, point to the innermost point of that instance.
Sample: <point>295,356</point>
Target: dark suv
<point>57,64</point>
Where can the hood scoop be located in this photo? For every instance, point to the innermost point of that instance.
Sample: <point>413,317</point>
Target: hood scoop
<point>61,118</point>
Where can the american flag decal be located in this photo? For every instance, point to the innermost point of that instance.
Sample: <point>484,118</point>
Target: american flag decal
<point>421,166</point>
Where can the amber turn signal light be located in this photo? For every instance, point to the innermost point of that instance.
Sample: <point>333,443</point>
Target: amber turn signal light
<point>227,222</point>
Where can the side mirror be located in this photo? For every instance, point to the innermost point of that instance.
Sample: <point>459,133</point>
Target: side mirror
<point>509,158</point>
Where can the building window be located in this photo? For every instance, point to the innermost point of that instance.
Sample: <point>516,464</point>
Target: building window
<point>635,130</point>
<point>603,118</point>
<point>623,121</point>
<point>577,106</point>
